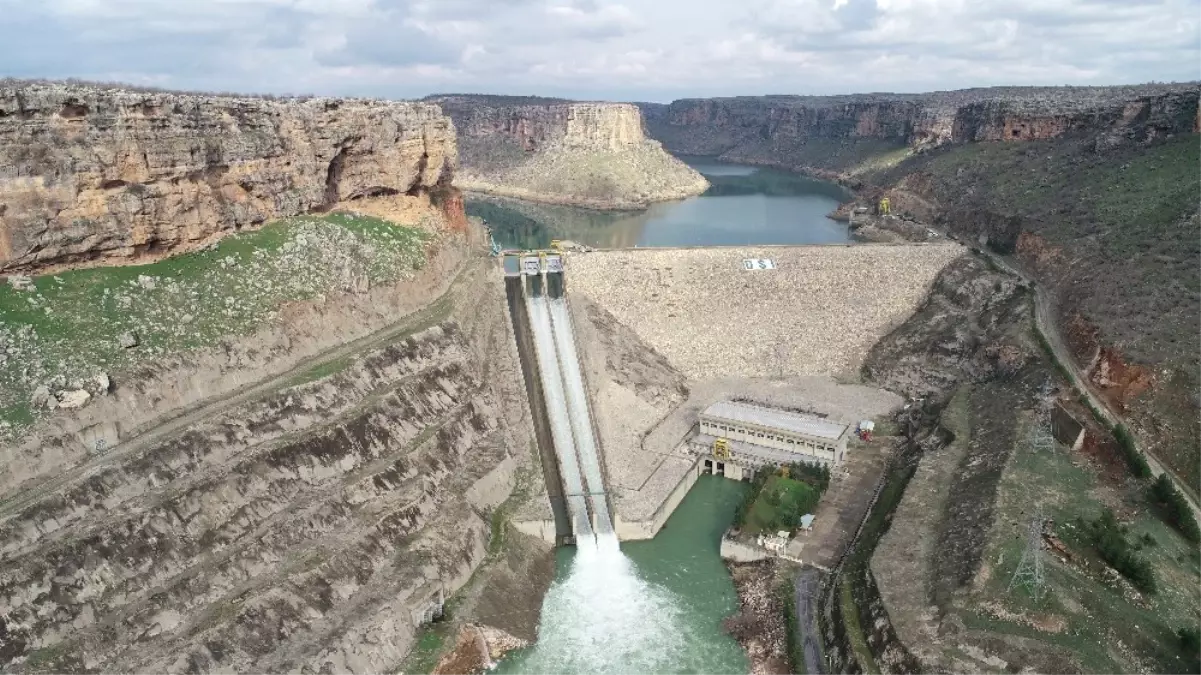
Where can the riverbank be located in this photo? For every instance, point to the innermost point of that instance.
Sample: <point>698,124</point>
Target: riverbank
<point>760,625</point>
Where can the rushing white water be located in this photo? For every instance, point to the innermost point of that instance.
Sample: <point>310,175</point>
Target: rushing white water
<point>605,618</point>
<point>581,418</point>
<point>556,410</point>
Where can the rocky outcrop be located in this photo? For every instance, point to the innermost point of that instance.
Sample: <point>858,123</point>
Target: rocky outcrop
<point>310,529</point>
<point>836,132</point>
<point>90,173</point>
<point>585,154</point>
<point>298,496</point>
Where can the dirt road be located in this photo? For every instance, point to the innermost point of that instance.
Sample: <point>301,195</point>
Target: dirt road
<point>1043,317</point>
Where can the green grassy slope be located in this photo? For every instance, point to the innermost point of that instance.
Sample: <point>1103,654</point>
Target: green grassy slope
<point>1122,243</point>
<point>68,328</point>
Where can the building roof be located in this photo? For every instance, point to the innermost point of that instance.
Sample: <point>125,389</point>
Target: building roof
<point>797,423</point>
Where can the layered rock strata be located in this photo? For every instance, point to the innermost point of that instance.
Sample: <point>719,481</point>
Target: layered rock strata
<point>584,154</point>
<point>91,173</point>
<point>312,529</point>
<point>795,131</point>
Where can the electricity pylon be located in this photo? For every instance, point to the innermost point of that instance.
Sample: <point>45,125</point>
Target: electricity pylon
<point>1042,438</point>
<point>1030,568</point>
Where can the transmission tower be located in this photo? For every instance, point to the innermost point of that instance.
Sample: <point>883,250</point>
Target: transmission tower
<point>1030,568</point>
<point>1042,438</point>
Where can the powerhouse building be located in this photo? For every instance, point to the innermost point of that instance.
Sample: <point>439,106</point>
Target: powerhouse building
<point>744,436</point>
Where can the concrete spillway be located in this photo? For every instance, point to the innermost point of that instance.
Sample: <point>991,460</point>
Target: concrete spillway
<point>581,416</point>
<point>556,411</point>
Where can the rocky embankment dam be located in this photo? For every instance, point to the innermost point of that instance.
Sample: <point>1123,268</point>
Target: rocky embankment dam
<point>593,155</point>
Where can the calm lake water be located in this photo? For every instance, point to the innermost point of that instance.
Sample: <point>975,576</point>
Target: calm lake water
<point>744,205</point>
<point>655,608</point>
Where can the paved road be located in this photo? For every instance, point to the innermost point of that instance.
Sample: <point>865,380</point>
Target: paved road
<point>1044,318</point>
<point>808,585</point>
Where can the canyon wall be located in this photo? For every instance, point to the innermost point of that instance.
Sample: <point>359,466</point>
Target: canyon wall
<point>312,529</point>
<point>837,132</point>
<point>584,154</point>
<point>90,173</point>
<point>291,493</point>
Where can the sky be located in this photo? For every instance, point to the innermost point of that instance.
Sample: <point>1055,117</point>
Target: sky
<point>642,50</point>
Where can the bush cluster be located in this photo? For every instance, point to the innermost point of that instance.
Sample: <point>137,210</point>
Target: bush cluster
<point>758,480</point>
<point>1109,538</point>
<point>1175,508</point>
<point>816,475</point>
<point>1138,464</point>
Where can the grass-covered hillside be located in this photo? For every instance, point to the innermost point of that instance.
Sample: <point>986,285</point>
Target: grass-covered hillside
<point>69,331</point>
<point>1114,233</point>
<point>1122,218</point>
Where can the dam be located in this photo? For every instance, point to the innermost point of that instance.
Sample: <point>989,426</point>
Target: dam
<point>621,350</point>
<point>645,339</point>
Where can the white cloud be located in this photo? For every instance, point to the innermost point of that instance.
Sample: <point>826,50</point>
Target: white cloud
<point>650,50</point>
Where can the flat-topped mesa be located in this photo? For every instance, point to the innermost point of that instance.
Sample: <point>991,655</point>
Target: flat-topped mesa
<point>778,129</point>
<point>605,126</point>
<point>594,155</point>
<point>93,173</point>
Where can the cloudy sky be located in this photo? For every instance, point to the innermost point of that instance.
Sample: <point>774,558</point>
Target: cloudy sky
<point>655,50</point>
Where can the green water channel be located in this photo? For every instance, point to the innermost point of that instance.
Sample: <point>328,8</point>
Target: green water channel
<point>658,607</point>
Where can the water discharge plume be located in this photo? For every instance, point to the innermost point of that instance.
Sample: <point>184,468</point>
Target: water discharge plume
<point>604,618</point>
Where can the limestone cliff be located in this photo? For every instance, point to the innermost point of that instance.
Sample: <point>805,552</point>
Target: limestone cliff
<point>91,173</point>
<point>585,154</point>
<point>837,132</point>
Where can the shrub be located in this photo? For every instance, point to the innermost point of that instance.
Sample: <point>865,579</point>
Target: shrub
<point>758,480</point>
<point>1138,464</point>
<point>1109,538</point>
<point>1190,640</point>
<point>1175,508</point>
<point>816,475</point>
